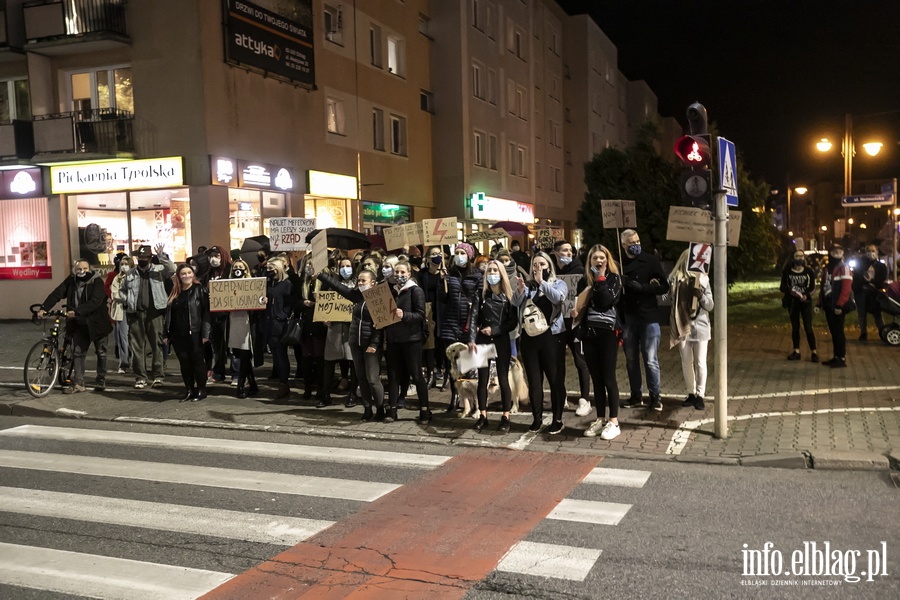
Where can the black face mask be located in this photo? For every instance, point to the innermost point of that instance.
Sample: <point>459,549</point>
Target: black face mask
<point>261,257</point>
<point>799,262</point>
<point>416,261</point>
<point>143,264</point>
<point>237,273</point>
<point>437,259</point>
<point>545,274</point>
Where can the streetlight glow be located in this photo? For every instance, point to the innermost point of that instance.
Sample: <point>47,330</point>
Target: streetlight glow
<point>872,148</point>
<point>801,190</point>
<point>823,145</point>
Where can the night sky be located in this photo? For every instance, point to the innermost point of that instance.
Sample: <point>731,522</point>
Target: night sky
<point>774,75</point>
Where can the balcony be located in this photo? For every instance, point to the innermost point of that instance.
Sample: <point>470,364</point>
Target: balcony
<point>16,141</point>
<point>9,49</point>
<point>83,135</point>
<point>58,27</point>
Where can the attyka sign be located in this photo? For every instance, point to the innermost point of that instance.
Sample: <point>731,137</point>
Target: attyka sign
<point>688,224</point>
<point>237,294</point>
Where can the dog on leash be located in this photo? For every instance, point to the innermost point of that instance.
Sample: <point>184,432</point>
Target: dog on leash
<point>467,383</point>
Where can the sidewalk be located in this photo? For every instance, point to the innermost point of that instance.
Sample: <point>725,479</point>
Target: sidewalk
<point>781,413</point>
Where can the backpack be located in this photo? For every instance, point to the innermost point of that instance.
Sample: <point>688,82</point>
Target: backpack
<point>533,319</point>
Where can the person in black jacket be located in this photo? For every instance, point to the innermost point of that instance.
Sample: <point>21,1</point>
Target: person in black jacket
<point>461,284</point>
<point>88,321</point>
<point>365,342</point>
<point>279,307</point>
<point>569,264</point>
<point>869,276</point>
<point>187,328</point>
<point>643,280</point>
<point>597,330</point>
<point>405,340</point>
<point>493,318</point>
<point>797,284</point>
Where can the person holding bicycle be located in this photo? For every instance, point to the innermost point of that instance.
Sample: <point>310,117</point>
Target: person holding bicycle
<point>87,323</point>
<point>187,327</point>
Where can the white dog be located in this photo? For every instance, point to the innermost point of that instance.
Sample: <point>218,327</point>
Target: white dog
<point>467,383</point>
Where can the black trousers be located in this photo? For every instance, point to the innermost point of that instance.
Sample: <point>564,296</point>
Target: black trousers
<point>504,356</point>
<point>601,352</point>
<point>404,362</point>
<point>802,310</point>
<point>836,328</point>
<point>540,357</point>
<point>189,350</point>
<point>575,346</point>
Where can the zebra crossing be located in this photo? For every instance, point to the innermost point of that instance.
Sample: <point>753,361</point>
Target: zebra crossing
<point>125,514</point>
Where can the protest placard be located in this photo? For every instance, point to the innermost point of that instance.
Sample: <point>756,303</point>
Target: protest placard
<point>489,234</point>
<point>331,306</point>
<point>547,237</point>
<point>398,236</point>
<point>569,302</point>
<point>439,231</point>
<point>701,257</point>
<point>289,233</point>
<point>381,305</point>
<point>319,251</point>
<point>688,224</point>
<point>618,214</point>
<point>237,294</point>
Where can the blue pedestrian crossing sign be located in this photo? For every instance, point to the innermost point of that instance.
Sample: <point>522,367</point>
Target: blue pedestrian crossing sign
<point>728,179</point>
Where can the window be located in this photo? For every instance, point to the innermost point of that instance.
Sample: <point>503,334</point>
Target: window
<point>333,24</point>
<point>396,56</point>
<point>478,149</point>
<point>425,26</point>
<point>25,236</point>
<point>375,46</point>
<point>398,135</point>
<point>555,134</point>
<point>557,180</point>
<point>102,88</point>
<point>492,86</point>
<point>553,42</point>
<point>15,100</point>
<point>334,115</point>
<point>478,87</point>
<point>595,104</point>
<point>492,152</point>
<point>426,101</point>
<point>521,160</point>
<point>538,175</point>
<point>477,20</point>
<point>554,88</point>
<point>511,96</point>
<point>511,157</point>
<point>520,102</point>
<point>378,129</point>
<point>490,21</point>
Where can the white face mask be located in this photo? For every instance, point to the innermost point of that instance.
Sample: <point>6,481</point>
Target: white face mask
<point>387,272</point>
<point>346,272</point>
<point>215,262</point>
<point>493,279</point>
<point>460,260</point>
<point>124,269</point>
<point>363,286</point>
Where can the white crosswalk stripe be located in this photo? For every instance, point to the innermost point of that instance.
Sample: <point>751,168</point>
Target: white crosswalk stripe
<point>621,477</point>
<point>588,511</point>
<point>549,560</point>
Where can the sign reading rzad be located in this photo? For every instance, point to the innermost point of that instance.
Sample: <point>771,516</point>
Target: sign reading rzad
<point>258,38</point>
<point>237,294</point>
<point>289,233</point>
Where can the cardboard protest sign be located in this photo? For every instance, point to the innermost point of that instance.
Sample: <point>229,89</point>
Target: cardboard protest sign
<point>398,236</point>
<point>381,305</point>
<point>618,214</point>
<point>569,302</point>
<point>439,231</point>
<point>332,307</point>
<point>547,237</point>
<point>237,294</point>
<point>688,224</point>
<point>289,233</point>
<point>701,257</point>
<point>490,234</point>
<point>319,251</point>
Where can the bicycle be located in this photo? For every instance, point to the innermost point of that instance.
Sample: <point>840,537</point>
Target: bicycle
<point>46,359</point>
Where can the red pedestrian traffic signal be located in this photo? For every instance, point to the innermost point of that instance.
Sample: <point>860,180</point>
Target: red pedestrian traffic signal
<point>693,150</point>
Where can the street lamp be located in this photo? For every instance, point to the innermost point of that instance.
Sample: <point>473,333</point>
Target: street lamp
<point>800,191</point>
<point>848,150</point>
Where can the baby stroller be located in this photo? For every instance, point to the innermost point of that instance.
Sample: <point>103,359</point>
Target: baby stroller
<point>889,302</point>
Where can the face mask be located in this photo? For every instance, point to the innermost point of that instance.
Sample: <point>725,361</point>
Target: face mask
<point>346,272</point>
<point>799,262</point>
<point>143,263</point>
<point>545,274</point>
<point>436,259</point>
<point>595,270</point>
<point>387,271</point>
<point>402,279</point>
<point>124,269</point>
<point>261,257</point>
<point>364,286</point>
<point>460,260</point>
<point>634,249</point>
<point>83,276</point>
<point>565,260</point>
<point>872,255</point>
<point>215,262</point>
<point>510,269</point>
<point>237,273</point>
<point>187,277</point>
<point>270,274</point>
<point>493,279</point>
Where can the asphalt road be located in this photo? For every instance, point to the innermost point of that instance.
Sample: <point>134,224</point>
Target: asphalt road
<point>652,530</point>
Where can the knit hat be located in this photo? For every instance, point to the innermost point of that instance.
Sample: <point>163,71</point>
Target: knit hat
<point>469,248</point>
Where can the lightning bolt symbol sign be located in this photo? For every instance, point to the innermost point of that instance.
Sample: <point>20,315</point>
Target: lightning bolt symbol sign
<point>439,229</point>
<point>700,257</point>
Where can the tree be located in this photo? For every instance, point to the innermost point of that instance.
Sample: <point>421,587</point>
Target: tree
<point>639,173</point>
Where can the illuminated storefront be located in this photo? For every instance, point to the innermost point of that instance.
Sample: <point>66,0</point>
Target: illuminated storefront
<point>377,216</point>
<point>24,225</point>
<point>485,211</point>
<point>330,199</point>
<point>256,192</point>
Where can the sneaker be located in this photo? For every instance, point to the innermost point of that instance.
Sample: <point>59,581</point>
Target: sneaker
<point>828,363</point>
<point>699,405</point>
<point>536,424</point>
<point>100,386</point>
<point>481,423</point>
<point>234,382</point>
<point>584,408</point>
<point>140,384</point>
<point>157,383</point>
<point>76,388</point>
<point>504,425</point>
<point>794,355</point>
<point>411,391</point>
<point>610,431</point>
<point>120,371</point>
<point>633,401</point>
<point>555,427</point>
<point>839,363</point>
<point>690,400</point>
<point>594,428</point>
<point>814,358</point>
<point>655,404</point>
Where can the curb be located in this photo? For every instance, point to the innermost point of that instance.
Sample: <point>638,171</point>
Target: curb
<point>850,461</point>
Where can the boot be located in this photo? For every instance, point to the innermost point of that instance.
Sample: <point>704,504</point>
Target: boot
<point>424,416</point>
<point>241,388</point>
<point>367,413</point>
<point>201,395</point>
<point>253,389</point>
<point>454,403</point>
<point>188,395</point>
<point>391,415</point>
<point>283,391</point>
<point>379,413</point>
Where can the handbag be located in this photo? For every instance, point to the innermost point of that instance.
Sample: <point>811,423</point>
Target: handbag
<point>850,305</point>
<point>293,331</point>
<point>533,319</point>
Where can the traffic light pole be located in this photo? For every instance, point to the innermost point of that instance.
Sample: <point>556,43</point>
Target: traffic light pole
<point>720,294</point>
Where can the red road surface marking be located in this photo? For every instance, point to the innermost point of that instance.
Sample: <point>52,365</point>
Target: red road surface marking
<point>433,538</point>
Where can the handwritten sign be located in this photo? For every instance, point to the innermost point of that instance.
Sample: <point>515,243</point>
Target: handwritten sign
<point>688,224</point>
<point>547,237</point>
<point>490,234</point>
<point>332,307</point>
<point>381,305</point>
<point>618,214</point>
<point>289,233</point>
<point>319,251</point>
<point>701,256</point>
<point>439,231</point>
<point>237,294</point>
<point>398,236</point>
<point>572,283</point>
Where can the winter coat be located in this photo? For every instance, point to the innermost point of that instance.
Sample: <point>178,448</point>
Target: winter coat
<point>639,305</point>
<point>495,311</point>
<point>191,307</point>
<point>362,329</point>
<point>411,300</point>
<point>116,303</point>
<point>698,328</point>
<point>879,275</point>
<point>456,303</point>
<point>90,310</point>
<point>606,291</point>
<point>836,286</point>
<point>278,307</point>
<point>157,274</point>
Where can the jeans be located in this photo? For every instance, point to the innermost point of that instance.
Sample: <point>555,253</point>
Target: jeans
<point>81,341</point>
<point>642,342</point>
<point>404,360</point>
<point>368,373</point>
<point>189,350</point>
<point>120,332</point>
<point>584,375</point>
<point>802,310</point>
<point>836,328</point>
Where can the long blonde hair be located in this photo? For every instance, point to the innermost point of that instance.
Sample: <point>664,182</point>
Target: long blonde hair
<point>611,265</point>
<point>504,285</point>
<point>545,256</point>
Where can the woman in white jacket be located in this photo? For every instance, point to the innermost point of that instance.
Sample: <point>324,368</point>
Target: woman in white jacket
<point>689,325</point>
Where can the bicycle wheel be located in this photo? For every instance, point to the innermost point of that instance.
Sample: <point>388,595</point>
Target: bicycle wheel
<point>41,369</point>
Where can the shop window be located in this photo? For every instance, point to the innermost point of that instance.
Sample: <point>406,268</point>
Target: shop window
<point>15,100</point>
<point>378,129</point>
<point>249,211</point>
<point>398,135</point>
<point>328,212</point>
<point>109,87</point>
<point>334,113</point>
<point>25,236</point>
